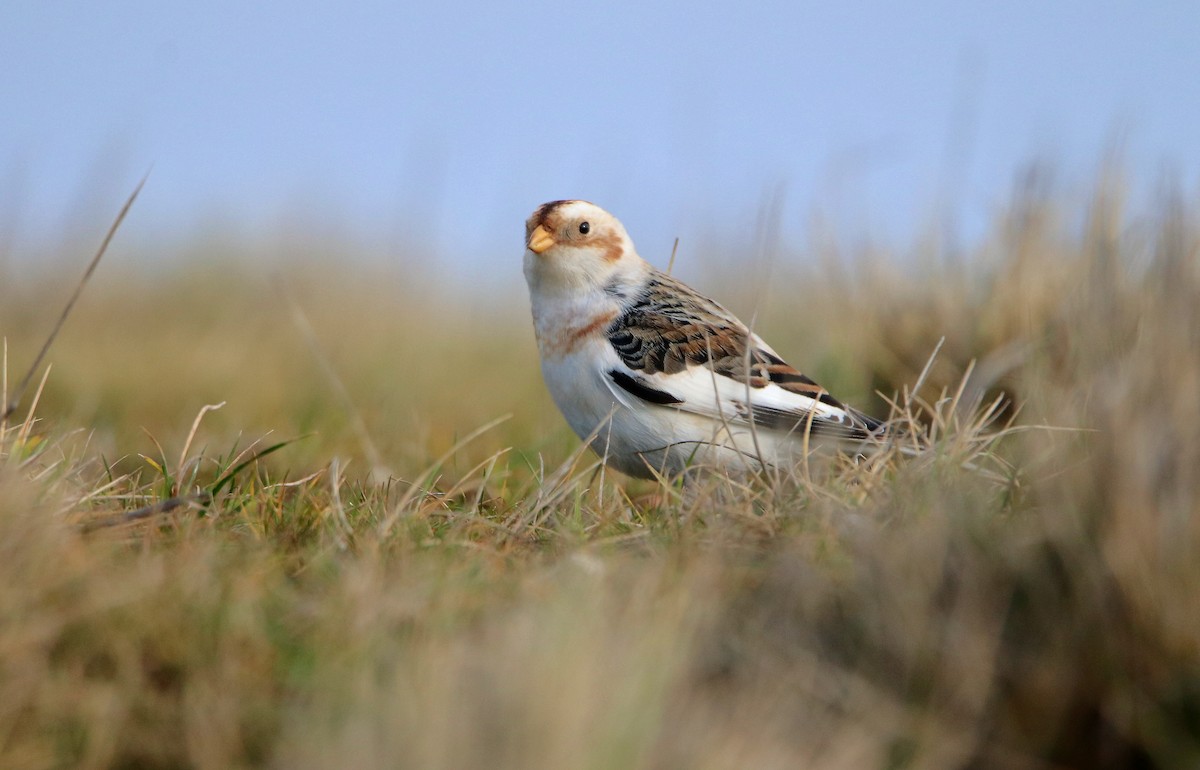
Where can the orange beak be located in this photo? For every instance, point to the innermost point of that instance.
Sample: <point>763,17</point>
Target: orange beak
<point>540,239</point>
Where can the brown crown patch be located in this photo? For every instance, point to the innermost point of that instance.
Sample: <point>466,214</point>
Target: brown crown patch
<point>544,216</point>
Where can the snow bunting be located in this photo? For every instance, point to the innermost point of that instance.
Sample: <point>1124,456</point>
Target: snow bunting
<point>657,376</point>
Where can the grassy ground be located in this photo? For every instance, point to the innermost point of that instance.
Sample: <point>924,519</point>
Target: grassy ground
<point>389,589</point>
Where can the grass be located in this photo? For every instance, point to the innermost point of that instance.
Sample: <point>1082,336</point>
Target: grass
<point>392,586</point>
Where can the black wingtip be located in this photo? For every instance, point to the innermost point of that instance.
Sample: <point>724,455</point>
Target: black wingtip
<point>643,391</point>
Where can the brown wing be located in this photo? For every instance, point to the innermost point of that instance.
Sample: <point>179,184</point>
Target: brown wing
<point>669,327</point>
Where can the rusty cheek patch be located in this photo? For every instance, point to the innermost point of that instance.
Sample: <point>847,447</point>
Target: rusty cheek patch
<point>611,246</point>
<point>568,340</point>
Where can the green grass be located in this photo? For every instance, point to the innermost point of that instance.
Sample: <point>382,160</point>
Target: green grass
<point>385,589</point>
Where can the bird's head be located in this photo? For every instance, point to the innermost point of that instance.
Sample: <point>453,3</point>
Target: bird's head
<point>574,246</point>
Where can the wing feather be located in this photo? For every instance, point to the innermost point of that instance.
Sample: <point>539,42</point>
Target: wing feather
<point>680,350</point>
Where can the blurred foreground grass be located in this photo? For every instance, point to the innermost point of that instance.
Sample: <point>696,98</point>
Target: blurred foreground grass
<point>355,600</point>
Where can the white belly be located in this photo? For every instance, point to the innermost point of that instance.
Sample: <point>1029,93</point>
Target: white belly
<point>640,438</point>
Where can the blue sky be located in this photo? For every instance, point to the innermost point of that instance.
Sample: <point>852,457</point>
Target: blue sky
<point>443,125</point>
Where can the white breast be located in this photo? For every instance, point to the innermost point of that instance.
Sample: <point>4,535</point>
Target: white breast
<point>634,436</point>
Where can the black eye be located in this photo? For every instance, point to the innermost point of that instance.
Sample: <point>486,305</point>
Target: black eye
<point>584,227</point>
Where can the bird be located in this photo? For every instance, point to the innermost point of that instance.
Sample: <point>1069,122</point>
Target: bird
<point>655,376</point>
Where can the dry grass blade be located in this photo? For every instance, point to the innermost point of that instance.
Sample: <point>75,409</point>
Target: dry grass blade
<point>15,403</point>
<point>27,424</point>
<point>4,388</point>
<point>916,388</point>
<point>360,425</point>
<point>417,489</point>
<point>671,263</point>
<point>554,488</point>
<point>488,462</point>
<point>192,435</point>
<point>345,530</point>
